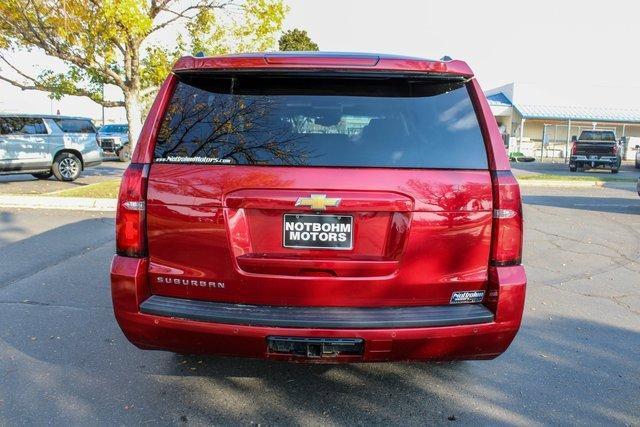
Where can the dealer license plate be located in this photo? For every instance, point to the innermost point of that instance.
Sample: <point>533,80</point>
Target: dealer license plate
<point>317,231</point>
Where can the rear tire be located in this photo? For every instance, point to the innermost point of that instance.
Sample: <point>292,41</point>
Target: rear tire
<point>616,168</point>
<point>42,175</point>
<point>573,168</point>
<point>67,167</point>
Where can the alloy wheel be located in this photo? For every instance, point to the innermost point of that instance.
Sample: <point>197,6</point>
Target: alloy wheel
<point>69,168</point>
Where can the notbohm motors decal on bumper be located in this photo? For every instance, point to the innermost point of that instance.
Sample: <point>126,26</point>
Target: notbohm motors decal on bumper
<point>317,231</point>
<point>465,297</point>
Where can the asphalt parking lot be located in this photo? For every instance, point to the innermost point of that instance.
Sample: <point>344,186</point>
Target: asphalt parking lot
<point>627,170</point>
<point>27,184</point>
<point>64,361</point>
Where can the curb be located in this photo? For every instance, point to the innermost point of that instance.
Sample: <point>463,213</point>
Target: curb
<point>69,203</point>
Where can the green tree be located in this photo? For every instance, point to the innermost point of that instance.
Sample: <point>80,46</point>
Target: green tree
<point>115,42</point>
<point>296,40</point>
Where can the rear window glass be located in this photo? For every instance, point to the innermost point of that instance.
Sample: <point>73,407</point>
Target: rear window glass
<point>75,125</point>
<point>591,135</point>
<point>298,121</point>
<point>115,128</point>
<point>22,126</point>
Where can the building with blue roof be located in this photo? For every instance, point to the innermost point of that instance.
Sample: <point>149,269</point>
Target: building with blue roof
<point>543,119</point>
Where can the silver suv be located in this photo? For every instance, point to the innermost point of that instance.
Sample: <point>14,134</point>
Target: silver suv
<point>47,145</point>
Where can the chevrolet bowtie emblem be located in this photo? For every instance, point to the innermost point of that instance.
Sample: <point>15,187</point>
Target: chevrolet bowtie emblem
<point>317,202</point>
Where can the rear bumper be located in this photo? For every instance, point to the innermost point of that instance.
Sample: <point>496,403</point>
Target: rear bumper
<point>486,339</point>
<point>111,145</point>
<point>317,317</point>
<point>602,160</point>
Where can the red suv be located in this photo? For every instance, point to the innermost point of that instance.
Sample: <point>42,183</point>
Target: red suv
<point>320,207</point>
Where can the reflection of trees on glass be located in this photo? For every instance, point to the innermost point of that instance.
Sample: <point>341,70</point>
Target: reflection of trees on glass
<point>250,120</point>
<point>246,129</point>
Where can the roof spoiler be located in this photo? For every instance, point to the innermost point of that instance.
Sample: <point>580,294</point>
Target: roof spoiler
<point>323,60</point>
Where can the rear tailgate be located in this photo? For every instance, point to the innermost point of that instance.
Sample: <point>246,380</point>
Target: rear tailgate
<point>403,175</point>
<point>598,148</point>
<point>418,237</point>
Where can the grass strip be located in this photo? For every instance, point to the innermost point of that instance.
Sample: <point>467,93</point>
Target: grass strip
<point>100,190</point>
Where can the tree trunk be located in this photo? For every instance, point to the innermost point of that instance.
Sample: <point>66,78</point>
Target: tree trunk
<point>134,117</point>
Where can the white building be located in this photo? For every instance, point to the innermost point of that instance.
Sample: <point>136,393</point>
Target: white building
<point>536,116</point>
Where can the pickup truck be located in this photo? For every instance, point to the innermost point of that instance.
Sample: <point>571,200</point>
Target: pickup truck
<point>595,148</point>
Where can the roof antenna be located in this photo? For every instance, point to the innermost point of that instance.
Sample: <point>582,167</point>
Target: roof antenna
<point>446,58</point>
<point>199,54</point>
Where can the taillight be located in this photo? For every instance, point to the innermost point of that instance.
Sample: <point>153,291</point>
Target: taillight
<point>574,148</point>
<point>506,244</point>
<point>131,239</point>
<point>615,150</point>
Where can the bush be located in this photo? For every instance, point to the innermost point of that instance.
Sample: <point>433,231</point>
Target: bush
<point>520,157</point>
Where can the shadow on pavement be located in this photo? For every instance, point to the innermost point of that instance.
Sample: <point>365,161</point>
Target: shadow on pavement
<point>26,256</point>
<point>64,360</point>
<point>553,374</point>
<point>7,227</point>
<point>575,372</point>
<point>108,168</point>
